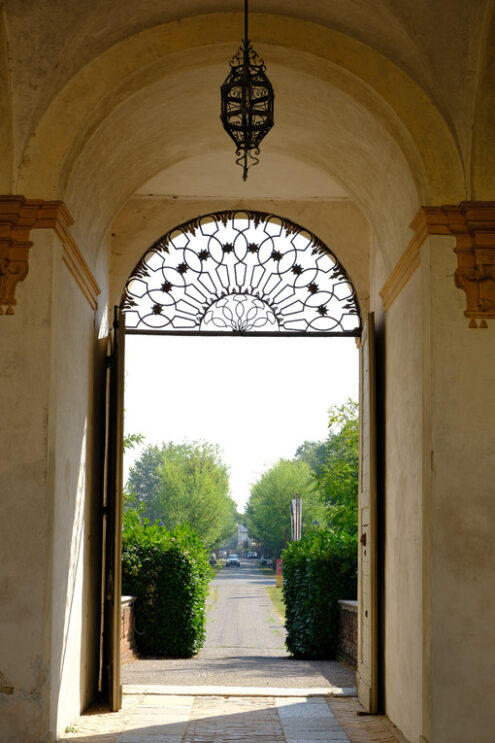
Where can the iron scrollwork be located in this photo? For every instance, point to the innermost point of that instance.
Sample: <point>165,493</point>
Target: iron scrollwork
<point>240,272</point>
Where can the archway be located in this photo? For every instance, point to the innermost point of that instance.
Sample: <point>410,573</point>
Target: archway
<point>244,273</point>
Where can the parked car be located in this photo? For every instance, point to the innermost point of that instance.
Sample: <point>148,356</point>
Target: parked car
<point>232,560</point>
<point>252,555</point>
<point>267,562</point>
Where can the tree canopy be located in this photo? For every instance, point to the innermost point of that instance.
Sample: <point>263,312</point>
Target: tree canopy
<point>324,473</point>
<point>338,480</point>
<point>268,508</point>
<point>185,483</point>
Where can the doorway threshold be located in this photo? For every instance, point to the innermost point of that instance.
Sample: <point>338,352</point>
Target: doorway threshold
<point>239,691</point>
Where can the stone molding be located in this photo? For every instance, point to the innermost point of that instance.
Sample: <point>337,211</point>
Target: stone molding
<point>18,216</point>
<point>472,223</point>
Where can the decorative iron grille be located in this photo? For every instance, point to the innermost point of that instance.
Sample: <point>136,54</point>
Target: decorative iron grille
<point>240,272</point>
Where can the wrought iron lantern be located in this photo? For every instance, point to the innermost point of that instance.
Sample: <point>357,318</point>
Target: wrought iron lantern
<point>247,102</point>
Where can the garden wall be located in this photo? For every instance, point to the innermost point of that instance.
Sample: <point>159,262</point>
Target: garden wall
<point>127,637</point>
<point>347,647</point>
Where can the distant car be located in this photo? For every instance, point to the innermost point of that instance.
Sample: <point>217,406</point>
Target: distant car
<point>252,555</point>
<point>267,562</point>
<point>232,560</point>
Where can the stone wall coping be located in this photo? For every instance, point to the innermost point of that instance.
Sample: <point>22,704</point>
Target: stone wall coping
<point>127,600</point>
<point>348,605</point>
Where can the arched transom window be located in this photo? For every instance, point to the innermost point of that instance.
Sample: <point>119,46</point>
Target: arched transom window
<point>240,272</point>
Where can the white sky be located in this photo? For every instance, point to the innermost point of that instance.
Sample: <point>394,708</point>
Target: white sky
<point>257,398</point>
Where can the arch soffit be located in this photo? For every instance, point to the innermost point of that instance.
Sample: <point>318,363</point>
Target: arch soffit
<point>65,120</point>
<point>340,225</point>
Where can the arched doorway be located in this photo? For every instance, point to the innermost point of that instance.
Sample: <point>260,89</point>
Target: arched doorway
<point>250,273</point>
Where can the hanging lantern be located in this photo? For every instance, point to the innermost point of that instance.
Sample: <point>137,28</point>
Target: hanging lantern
<point>247,102</point>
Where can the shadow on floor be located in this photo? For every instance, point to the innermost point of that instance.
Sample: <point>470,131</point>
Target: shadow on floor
<point>242,670</point>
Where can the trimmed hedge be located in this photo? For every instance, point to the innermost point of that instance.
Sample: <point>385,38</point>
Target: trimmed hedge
<point>168,572</point>
<point>319,570</point>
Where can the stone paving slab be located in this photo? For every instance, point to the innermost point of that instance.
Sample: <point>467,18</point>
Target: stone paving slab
<point>309,721</point>
<point>139,738</point>
<point>175,718</point>
<point>234,720</point>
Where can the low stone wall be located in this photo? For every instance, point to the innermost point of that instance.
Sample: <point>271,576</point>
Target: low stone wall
<point>127,638</point>
<point>347,647</point>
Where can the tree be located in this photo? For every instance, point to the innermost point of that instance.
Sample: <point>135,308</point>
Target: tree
<point>268,508</point>
<point>185,483</point>
<point>313,453</point>
<point>143,476</point>
<point>338,482</point>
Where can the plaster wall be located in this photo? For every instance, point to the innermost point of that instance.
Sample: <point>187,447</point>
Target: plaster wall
<point>403,511</point>
<point>49,525</point>
<point>462,511</point>
<point>74,460</point>
<point>25,512</point>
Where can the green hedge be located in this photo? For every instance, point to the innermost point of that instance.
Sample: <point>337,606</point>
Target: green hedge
<point>319,570</point>
<point>168,572</point>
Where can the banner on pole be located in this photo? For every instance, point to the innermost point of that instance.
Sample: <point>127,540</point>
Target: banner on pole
<point>296,518</point>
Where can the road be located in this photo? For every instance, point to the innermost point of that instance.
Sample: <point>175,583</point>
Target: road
<point>244,644</point>
<point>241,618</point>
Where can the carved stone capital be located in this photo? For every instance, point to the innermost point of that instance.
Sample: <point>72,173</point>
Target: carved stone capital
<point>18,216</point>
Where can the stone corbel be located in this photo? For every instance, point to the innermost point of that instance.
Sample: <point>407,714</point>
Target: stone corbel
<point>18,216</point>
<point>473,224</point>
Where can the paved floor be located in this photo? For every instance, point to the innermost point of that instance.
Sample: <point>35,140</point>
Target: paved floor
<point>241,688</point>
<point>172,718</point>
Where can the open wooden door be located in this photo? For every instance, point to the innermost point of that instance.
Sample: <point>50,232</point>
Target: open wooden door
<point>367,669</point>
<point>109,676</point>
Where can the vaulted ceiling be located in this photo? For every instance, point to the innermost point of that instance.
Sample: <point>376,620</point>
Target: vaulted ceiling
<point>386,103</point>
<point>436,43</point>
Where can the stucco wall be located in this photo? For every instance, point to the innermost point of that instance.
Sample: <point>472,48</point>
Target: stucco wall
<point>25,520</point>
<point>403,512</point>
<point>75,532</point>
<point>463,512</point>
<point>49,526</point>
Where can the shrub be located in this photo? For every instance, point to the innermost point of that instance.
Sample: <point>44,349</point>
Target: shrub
<point>319,569</point>
<point>168,572</point>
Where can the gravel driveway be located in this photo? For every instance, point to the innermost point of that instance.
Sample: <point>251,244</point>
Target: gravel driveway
<point>244,644</point>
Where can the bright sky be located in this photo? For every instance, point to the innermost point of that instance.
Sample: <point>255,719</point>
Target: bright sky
<point>257,398</point>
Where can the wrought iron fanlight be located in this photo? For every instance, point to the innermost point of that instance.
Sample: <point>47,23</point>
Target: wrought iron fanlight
<point>247,102</point>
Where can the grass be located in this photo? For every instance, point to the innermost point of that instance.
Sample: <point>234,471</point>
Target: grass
<point>212,598</point>
<point>218,565</point>
<point>275,596</point>
<point>266,571</point>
